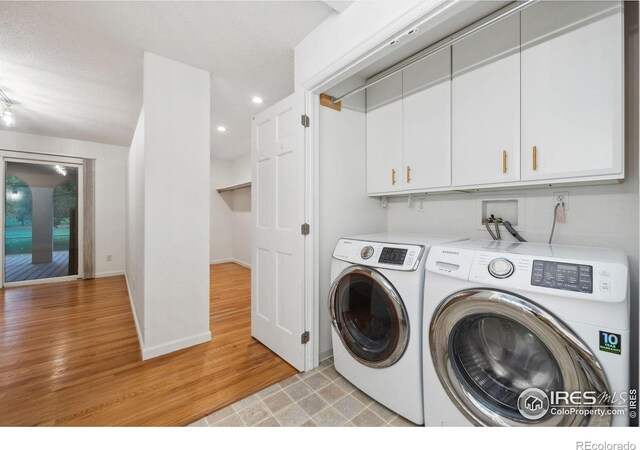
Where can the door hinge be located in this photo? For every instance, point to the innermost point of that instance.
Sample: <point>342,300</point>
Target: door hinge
<point>304,338</point>
<point>305,229</point>
<point>304,120</point>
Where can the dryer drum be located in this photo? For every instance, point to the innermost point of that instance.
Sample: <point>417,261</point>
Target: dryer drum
<point>369,316</point>
<point>488,346</point>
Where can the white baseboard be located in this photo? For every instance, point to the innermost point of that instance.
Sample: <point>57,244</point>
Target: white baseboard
<point>242,263</point>
<point>230,260</point>
<point>168,347</point>
<point>115,273</point>
<point>220,261</point>
<point>162,349</point>
<point>135,317</point>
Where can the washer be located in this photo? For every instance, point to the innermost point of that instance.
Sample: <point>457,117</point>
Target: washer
<point>375,305</point>
<point>502,318</point>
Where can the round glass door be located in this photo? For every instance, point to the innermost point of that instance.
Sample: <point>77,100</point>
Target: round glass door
<point>497,359</point>
<point>491,349</point>
<point>369,316</point>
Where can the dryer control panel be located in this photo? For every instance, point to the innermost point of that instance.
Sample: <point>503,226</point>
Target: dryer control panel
<point>406,257</point>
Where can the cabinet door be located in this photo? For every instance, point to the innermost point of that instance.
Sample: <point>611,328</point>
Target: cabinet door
<point>485,94</point>
<point>384,136</point>
<point>426,117</point>
<point>572,90</point>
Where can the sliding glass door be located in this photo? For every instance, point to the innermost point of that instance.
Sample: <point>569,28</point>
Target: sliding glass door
<point>41,221</point>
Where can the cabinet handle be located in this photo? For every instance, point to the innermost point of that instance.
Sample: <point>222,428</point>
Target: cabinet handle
<point>535,158</point>
<point>393,176</point>
<point>408,174</point>
<point>504,161</point>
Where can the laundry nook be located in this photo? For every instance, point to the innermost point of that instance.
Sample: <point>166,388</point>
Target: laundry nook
<point>401,222</point>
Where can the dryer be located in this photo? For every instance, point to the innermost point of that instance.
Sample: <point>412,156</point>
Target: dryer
<point>526,334</point>
<point>375,306</point>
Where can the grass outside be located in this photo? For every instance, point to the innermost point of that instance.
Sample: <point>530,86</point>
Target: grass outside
<point>18,240</point>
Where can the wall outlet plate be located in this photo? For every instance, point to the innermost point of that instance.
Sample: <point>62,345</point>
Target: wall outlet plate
<point>418,202</point>
<point>561,197</point>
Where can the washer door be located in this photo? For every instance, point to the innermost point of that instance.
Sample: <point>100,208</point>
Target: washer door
<point>489,346</point>
<point>369,316</point>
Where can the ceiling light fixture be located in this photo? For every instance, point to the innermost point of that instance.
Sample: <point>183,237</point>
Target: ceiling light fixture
<point>221,129</point>
<point>257,100</point>
<point>6,114</point>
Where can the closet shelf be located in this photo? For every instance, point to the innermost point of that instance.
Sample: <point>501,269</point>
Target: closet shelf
<point>234,187</point>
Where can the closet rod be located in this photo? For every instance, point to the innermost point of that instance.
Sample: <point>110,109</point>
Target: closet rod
<point>507,11</point>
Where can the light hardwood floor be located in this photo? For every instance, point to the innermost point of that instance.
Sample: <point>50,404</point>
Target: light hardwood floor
<point>69,356</point>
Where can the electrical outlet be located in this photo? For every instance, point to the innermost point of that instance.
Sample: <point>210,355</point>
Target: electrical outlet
<point>109,258</point>
<point>561,197</point>
<point>420,204</point>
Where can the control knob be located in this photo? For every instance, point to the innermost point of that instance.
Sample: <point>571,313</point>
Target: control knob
<point>501,268</point>
<point>366,252</point>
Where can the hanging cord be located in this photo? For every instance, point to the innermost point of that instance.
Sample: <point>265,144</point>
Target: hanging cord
<point>496,224</point>
<point>513,231</point>
<point>555,217</point>
<point>486,224</point>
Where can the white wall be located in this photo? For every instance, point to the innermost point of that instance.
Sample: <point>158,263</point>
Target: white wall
<point>134,268</point>
<point>231,211</point>
<point>242,212</point>
<point>345,208</point>
<point>175,185</point>
<point>242,226</point>
<point>110,176</point>
<point>221,215</point>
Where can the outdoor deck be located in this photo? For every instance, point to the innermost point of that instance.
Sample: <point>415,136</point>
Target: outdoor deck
<point>20,268</point>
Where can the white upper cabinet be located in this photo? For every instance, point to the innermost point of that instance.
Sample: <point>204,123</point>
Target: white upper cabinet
<point>572,90</point>
<point>384,136</point>
<point>486,106</point>
<point>426,116</point>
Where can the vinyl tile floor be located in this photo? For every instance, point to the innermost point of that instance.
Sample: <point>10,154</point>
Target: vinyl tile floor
<point>320,398</point>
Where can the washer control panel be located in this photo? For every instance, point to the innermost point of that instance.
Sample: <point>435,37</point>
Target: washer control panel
<point>380,254</point>
<point>562,275</point>
<point>560,271</point>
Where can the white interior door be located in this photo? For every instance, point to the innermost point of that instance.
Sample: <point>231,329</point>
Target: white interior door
<point>277,276</point>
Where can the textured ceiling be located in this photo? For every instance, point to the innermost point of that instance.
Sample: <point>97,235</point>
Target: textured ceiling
<point>74,69</point>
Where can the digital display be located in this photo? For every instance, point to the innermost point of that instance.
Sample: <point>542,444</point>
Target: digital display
<point>568,277</point>
<point>392,255</point>
<point>568,268</point>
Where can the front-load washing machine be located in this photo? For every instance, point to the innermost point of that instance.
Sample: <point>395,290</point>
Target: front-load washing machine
<point>375,306</point>
<point>526,334</point>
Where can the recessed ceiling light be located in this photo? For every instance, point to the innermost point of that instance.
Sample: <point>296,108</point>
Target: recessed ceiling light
<point>257,100</point>
<point>7,115</point>
<point>222,129</point>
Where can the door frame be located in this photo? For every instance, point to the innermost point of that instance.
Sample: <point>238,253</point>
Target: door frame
<point>18,157</point>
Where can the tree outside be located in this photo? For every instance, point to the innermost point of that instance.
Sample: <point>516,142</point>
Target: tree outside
<point>18,209</point>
